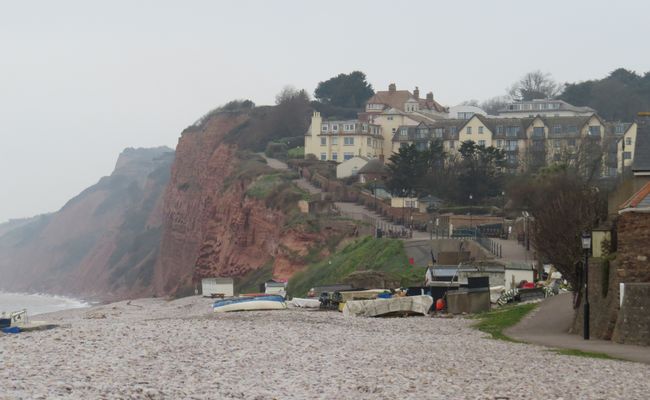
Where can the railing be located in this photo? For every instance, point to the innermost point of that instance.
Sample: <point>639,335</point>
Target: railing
<point>491,245</point>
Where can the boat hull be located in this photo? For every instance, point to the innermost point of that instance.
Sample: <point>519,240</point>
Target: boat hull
<point>250,304</point>
<point>383,307</point>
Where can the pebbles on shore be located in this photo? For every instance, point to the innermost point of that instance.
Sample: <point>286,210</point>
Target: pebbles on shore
<point>154,349</point>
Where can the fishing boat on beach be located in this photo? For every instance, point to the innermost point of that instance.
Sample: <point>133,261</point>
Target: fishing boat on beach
<point>273,302</point>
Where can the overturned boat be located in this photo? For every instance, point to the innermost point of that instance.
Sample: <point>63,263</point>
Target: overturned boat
<point>255,303</point>
<point>394,306</point>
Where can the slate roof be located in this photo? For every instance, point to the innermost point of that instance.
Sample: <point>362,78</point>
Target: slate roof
<point>641,161</point>
<point>374,166</point>
<point>397,98</point>
<point>640,199</point>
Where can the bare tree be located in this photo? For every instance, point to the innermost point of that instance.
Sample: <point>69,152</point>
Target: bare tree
<point>472,102</point>
<point>535,85</point>
<point>288,93</point>
<point>494,104</point>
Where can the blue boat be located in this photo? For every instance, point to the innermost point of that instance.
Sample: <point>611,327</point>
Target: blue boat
<point>272,302</point>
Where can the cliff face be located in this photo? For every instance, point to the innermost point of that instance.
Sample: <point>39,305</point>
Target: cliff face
<point>210,226</point>
<point>102,244</point>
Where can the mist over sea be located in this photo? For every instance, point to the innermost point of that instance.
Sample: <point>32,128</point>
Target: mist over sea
<point>37,303</point>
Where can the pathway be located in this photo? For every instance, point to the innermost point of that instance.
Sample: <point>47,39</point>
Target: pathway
<point>549,325</point>
<point>511,250</point>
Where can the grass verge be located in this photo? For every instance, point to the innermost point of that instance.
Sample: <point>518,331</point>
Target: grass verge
<point>590,354</point>
<point>496,321</point>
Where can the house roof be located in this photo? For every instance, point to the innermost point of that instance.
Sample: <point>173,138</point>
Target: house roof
<point>641,161</point>
<point>564,106</point>
<point>374,166</point>
<point>640,200</point>
<point>397,98</point>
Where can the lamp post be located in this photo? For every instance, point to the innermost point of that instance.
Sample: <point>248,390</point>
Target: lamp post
<point>437,224</point>
<point>430,230</point>
<point>374,191</point>
<point>586,246</point>
<point>471,225</point>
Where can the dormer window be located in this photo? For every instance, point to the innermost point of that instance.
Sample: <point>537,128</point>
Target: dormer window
<point>403,131</point>
<point>324,128</point>
<point>335,128</point>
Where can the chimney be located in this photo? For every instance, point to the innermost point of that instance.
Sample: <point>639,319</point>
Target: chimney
<point>392,87</point>
<point>430,96</point>
<point>416,93</point>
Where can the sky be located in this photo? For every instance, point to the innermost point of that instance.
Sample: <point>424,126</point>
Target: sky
<point>82,80</point>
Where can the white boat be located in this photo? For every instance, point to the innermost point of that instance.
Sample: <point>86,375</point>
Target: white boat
<point>250,304</point>
<point>392,306</point>
<point>305,303</point>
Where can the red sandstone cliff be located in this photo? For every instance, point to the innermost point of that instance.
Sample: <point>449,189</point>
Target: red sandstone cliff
<point>211,228</point>
<point>102,244</point>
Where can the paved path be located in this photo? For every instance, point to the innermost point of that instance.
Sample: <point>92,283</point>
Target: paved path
<point>274,163</point>
<point>511,250</point>
<point>549,325</point>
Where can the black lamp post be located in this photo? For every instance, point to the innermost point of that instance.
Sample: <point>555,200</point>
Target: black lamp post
<point>586,246</point>
<point>471,225</point>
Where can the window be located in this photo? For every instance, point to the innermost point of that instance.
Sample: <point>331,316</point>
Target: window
<point>469,130</point>
<point>335,140</point>
<point>437,132</point>
<point>452,130</point>
<point>364,128</point>
<point>499,130</point>
<point>512,131</point>
<point>348,127</point>
<point>452,144</point>
<point>620,129</point>
<point>335,128</point>
<point>594,131</point>
<point>571,142</point>
<point>369,143</point>
<point>628,141</point>
<point>403,131</point>
<point>572,128</point>
<point>323,156</point>
<point>348,141</point>
<point>323,141</point>
<point>499,143</point>
<point>324,128</point>
<point>390,118</point>
<point>538,132</point>
<point>480,130</point>
<point>557,129</point>
<point>347,156</point>
<point>335,156</point>
<point>511,145</point>
<point>557,143</point>
<point>481,143</point>
<point>627,155</point>
<point>421,146</point>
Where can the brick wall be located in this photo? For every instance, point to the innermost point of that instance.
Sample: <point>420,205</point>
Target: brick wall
<point>633,254</point>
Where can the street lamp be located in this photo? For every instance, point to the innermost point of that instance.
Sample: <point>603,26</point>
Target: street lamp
<point>471,225</point>
<point>586,246</point>
<point>437,223</point>
<point>430,230</point>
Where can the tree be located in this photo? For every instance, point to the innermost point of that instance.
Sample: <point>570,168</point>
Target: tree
<point>345,90</point>
<point>563,205</point>
<point>472,102</point>
<point>480,171</point>
<point>494,104</point>
<point>617,97</point>
<point>288,93</point>
<point>415,172</point>
<point>535,85</point>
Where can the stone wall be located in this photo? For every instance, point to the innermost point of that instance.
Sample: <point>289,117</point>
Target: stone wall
<point>633,324</point>
<point>631,266</point>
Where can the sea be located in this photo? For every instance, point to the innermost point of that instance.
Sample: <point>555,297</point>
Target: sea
<point>37,303</point>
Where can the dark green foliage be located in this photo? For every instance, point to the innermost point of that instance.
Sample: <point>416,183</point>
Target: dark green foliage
<point>386,255</point>
<point>480,172</point>
<point>331,111</point>
<point>617,97</point>
<point>414,172</point>
<point>345,90</point>
<point>250,283</point>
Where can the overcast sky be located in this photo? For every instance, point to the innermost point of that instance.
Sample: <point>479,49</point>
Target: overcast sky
<point>82,80</point>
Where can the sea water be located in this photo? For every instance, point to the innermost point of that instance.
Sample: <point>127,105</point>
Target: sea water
<point>37,303</point>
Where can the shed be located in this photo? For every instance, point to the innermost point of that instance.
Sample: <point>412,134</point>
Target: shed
<point>225,286</point>
<point>350,167</point>
<point>275,287</point>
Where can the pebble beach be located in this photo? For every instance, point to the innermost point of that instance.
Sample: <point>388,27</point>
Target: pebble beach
<point>158,349</point>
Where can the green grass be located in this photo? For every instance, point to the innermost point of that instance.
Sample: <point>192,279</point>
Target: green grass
<point>264,185</point>
<point>250,283</point>
<point>496,321</point>
<point>296,152</point>
<point>589,354</point>
<point>385,255</point>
